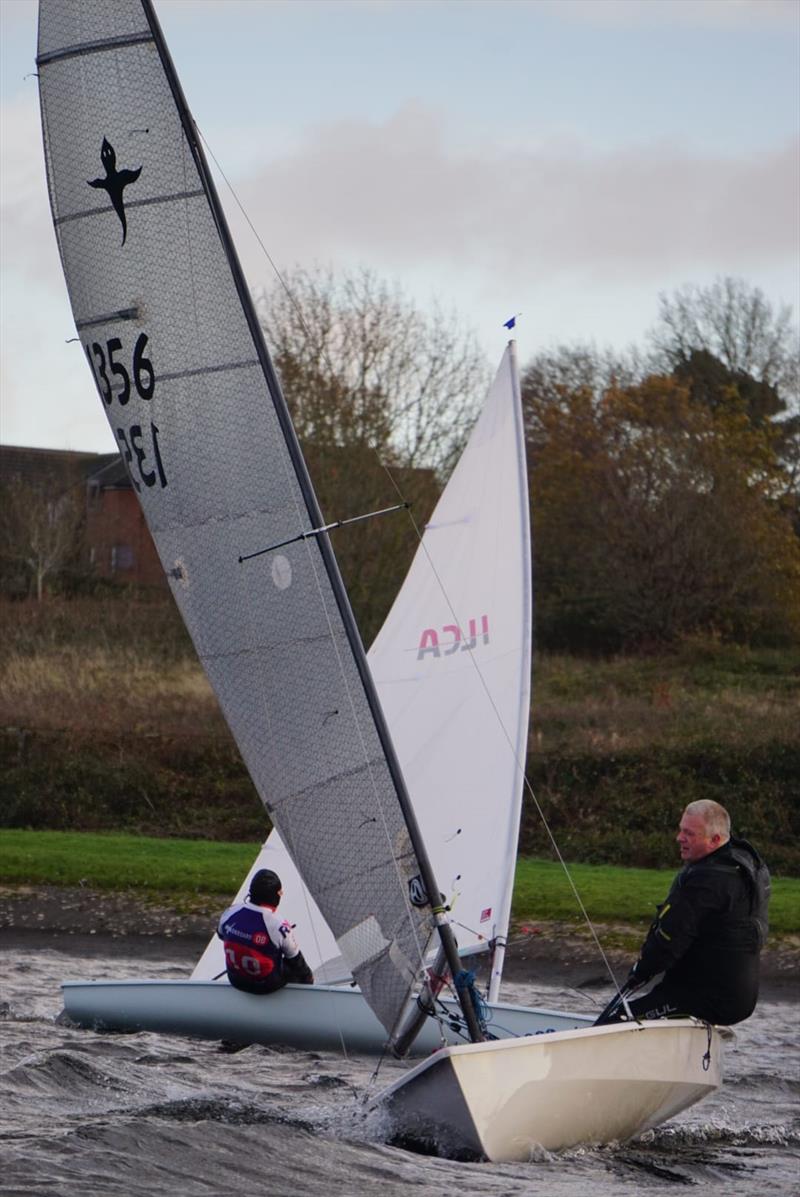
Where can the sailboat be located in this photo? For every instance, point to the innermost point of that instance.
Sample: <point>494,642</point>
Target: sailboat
<point>168,326</point>
<point>450,699</point>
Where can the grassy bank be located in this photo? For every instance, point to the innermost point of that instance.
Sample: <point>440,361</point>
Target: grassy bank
<point>108,724</point>
<point>183,869</point>
<point>121,862</point>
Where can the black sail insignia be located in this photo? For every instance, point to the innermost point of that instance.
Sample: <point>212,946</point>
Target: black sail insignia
<point>115,182</point>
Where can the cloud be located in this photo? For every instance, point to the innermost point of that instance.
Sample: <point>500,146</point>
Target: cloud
<point>632,13</point>
<point>699,14</point>
<point>28,239</point>
<point>394,193</point>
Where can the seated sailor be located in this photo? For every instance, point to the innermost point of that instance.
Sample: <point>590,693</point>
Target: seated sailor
<point>261,952</point>
<point>708,934</point>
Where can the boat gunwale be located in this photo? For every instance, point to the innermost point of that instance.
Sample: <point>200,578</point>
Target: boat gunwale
<point>546,1038</point>
<point>338,990</point>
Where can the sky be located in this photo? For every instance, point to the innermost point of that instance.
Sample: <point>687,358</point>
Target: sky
<point>568,160</point>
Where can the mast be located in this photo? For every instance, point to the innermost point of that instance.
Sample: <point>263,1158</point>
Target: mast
<point>521,731</point>
<point>440,918</point>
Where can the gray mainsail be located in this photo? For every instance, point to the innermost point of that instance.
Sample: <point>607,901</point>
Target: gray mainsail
<point>167,326</point>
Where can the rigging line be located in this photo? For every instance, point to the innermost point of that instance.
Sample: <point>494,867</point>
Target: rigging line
<point>265,251</point>
<point>303,323</point>
<point>301,316</point>
<point>298,506</point>
<point>292,484</point>
<point>520,764</point>
<point>313,565</point>
<point>438,579</point>
<point>248,603</point>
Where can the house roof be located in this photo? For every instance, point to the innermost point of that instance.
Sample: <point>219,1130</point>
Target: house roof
<point>61,467</point>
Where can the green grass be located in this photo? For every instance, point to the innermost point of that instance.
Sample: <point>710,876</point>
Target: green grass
<point>121,862</point>
<point>184,868</point>
<point>614,894</point>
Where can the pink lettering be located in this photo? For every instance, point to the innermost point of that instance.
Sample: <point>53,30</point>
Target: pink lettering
<point>456,630</point>
<point>470,644</point>
<point>428,644</point>
<point>453,638</point>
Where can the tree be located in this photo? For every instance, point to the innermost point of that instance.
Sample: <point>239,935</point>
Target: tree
<point>740,328</point>
<point>383,398</point>
<point>361,365</point>
<point>40,532</point>
<point>732,348</point>
<point>655,517</point>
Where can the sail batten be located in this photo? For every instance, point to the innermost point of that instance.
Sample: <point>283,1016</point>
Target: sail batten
<point>109,43</point>
<point>172,198</point>
<point>210,449</point>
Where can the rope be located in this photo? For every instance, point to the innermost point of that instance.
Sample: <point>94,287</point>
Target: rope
<point>465,981</point>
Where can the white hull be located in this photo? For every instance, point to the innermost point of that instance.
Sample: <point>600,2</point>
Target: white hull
<point>311,1017</point>
<point>506,1100</point>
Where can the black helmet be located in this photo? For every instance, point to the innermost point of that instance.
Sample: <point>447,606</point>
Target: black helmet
<point>265,888</point>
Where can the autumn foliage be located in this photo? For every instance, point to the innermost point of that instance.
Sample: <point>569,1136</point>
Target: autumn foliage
<point>656,517</point>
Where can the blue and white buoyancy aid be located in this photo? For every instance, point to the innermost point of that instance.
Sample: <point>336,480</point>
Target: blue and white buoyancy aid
<point>256,941</point>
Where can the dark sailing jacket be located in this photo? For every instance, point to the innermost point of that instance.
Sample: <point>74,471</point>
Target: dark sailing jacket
<point>708,934</point>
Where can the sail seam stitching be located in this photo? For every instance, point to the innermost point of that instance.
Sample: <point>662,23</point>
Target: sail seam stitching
<point>245,365</point>
<point>110,43</point>
<point>139,203</point>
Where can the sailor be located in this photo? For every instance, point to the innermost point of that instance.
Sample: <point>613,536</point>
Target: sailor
<point>708,934</point>
<point>261,952</point>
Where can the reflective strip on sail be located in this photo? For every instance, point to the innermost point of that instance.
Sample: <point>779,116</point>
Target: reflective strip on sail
<point>177,362</point>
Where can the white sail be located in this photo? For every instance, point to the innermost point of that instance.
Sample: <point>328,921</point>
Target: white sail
<point>168,326</point>
<point>452,667</point>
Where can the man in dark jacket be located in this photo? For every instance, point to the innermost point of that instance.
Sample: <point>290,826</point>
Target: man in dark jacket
<point>708,934</point>
<point>261,952</point>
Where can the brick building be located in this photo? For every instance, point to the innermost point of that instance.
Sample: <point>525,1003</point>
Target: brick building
<point>118,542</point>
<point>114,542</point>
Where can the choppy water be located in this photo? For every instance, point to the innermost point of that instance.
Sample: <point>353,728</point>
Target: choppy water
<point>85,1115</point>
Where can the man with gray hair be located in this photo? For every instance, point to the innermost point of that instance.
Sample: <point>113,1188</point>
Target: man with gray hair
<point>708,934</point>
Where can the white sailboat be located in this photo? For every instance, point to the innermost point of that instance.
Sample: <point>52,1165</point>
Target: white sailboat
<point>164,314</point>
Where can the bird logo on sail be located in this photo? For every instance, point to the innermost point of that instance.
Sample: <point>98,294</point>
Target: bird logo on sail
<point>115,182</point>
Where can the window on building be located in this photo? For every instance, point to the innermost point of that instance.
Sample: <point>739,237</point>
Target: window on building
<point>121,557</point>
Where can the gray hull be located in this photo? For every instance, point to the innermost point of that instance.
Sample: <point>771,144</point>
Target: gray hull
<point>311,1017</point>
